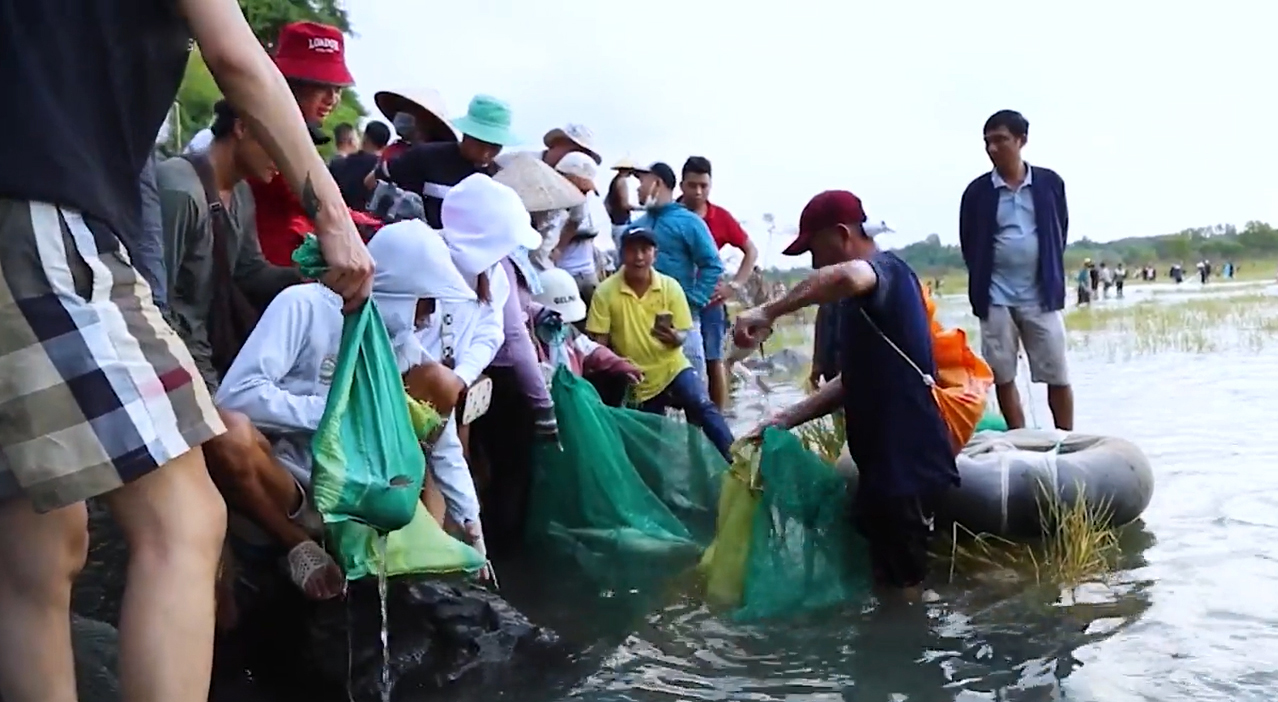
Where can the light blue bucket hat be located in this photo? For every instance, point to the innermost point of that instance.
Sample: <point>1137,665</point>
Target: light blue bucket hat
<point>487,119</point>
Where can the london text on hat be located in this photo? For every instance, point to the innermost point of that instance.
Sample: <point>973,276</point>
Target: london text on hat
<point>313,53</point>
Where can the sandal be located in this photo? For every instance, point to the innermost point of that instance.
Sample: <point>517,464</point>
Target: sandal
<point>308,565</point>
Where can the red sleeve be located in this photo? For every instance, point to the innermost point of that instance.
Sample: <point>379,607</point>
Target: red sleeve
<point>727,230</point>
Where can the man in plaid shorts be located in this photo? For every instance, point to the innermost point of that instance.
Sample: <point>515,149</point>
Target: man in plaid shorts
<point>98,396</point>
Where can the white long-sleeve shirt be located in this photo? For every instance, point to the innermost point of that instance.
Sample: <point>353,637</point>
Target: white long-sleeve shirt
<point>474,328</point>
<point>281,377</point>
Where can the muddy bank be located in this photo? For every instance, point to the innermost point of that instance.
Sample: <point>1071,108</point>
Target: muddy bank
<point>441,633</point>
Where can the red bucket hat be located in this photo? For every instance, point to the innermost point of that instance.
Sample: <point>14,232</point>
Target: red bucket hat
<point>314,53</point>
<point>826,210</point>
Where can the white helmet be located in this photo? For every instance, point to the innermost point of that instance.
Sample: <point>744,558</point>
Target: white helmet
<point>559,293</point>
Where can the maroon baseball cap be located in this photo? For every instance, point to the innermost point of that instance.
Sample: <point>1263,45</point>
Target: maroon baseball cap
<point>822,212</point>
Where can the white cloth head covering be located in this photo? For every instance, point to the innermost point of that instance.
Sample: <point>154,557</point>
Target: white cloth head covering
<point>412,263</point>
<point>873,229</point>
<point>483,223</point>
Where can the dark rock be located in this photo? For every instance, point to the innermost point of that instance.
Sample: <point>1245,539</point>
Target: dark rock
<point>440,633</point>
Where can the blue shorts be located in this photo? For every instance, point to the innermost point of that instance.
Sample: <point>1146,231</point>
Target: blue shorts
<point>714,326</point>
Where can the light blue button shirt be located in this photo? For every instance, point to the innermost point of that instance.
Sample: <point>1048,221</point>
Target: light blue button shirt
<point>1014,279</point>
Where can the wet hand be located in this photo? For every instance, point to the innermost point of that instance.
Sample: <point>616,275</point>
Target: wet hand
<point>350,268</point>
<point>755,435</point>
<point>751,328</point>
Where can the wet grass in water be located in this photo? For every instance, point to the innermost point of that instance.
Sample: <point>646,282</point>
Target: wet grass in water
<point>825,436</point>
<point>1247,322</point>
<point>1079,545</point>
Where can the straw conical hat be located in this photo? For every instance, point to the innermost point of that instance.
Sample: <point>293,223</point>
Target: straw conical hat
<point>625,163</point>
<point>538,185</point>
<point>426,104</point>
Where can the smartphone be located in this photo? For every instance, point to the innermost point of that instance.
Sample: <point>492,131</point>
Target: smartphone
<point>664,320</point>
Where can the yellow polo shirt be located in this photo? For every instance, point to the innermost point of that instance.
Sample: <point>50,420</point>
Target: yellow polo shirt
<point>628,319</point>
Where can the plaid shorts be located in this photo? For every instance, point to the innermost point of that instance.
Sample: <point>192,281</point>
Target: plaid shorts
<point>95,389</point>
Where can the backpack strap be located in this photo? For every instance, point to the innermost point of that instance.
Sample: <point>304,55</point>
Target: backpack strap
<point>219,218</point>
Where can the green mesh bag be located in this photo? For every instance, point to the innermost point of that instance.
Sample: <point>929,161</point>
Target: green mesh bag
<point>804,552</point>
<point>625,493</point>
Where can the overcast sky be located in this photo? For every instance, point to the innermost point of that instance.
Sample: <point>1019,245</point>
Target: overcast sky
<point>1159,116</point>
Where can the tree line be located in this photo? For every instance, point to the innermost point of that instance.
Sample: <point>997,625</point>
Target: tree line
<point>1221,242</point>
<point>193,109</point>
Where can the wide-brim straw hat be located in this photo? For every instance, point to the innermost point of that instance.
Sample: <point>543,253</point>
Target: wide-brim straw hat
<point>426,105</point>
<point>625,164</point>
<point>541,188</point>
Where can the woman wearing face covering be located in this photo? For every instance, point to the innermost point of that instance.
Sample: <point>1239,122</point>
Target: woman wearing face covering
<point>483,223</point>
<point>281,378</point>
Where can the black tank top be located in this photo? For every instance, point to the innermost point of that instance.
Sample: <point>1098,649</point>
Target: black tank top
<point>87,85</point>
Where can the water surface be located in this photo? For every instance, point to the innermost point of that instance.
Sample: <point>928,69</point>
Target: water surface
<point>1191,614</point>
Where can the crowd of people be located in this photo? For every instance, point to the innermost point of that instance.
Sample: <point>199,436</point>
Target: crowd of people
<point>163,353</point>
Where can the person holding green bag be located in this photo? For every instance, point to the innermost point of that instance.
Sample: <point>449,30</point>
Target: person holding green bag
<point>281,378</point>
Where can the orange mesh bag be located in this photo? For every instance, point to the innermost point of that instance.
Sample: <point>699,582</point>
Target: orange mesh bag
<point>962,379</point>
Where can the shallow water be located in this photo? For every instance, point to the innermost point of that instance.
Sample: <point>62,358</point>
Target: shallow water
<point>1187,616</point>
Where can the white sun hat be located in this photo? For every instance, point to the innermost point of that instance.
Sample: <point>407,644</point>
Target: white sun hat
<point>559,293</point>
<point>484,222</point>
<point>539,186</point>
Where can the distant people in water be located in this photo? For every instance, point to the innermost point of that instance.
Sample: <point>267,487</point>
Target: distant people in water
<point>1177,273</point>
<point>1120,277</point>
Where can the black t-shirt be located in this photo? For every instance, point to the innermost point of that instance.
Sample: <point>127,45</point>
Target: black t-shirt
<point>88,84</point>
<point>350,172</point>
<point>895,431</point>
<point>440,163</point>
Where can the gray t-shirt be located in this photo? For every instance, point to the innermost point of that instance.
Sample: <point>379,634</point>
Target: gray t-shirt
<point>188,256</point>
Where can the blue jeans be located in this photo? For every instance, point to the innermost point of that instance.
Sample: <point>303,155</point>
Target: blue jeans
<point>688,393</point>
<point>714,325</point>
<point>694,347</point>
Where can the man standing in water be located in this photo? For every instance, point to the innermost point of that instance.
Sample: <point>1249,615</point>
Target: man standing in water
<point>725,230</point>
<point>98,396</point>
<point>1013,226</point>
<point>895,431</point>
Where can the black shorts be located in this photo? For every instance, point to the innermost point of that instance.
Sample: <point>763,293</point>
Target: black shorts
<point>899,531</point>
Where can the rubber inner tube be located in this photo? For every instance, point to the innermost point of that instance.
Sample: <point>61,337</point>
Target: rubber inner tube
<point>1008,476</point>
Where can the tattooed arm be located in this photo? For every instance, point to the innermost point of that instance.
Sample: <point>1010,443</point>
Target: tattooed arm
<point>826,285</point>
<point>262,98</point>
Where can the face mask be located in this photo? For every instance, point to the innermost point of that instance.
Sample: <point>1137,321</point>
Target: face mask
<point>405,124</point>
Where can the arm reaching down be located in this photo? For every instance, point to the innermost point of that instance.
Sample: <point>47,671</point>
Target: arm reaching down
<point>252,384</point>
<point>489,334</point>
<point>851,279</point>
<point>251,82</point>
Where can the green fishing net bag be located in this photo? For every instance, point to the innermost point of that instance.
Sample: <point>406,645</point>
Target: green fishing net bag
<point>624,493</point>
<point>368,463</point>
<point>785,544</point>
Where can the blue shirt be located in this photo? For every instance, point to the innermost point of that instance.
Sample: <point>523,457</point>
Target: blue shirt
<point>1014,278</point>
<point>685,250</point>
<point>895,432</point>
<point>979,226</point>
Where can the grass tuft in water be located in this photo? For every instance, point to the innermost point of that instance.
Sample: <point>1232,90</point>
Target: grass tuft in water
<point>1079,545</point>
<point>825,436</point>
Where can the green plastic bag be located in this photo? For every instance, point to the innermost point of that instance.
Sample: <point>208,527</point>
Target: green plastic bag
<point>368,464</point>
<point>421,548</point>
<point>723,565</point>
<point>992,420</point>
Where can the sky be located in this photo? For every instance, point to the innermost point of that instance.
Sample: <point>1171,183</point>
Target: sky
<point>1158,116</point>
